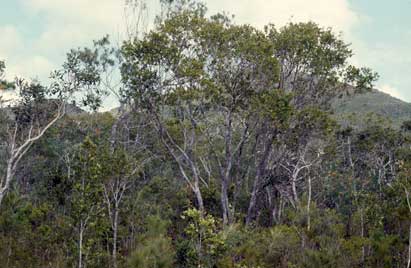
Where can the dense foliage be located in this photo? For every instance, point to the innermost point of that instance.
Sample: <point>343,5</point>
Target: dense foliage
<point>223,153</point>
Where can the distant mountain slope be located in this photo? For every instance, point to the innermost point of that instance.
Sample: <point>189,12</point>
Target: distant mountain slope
<point>380,103</point>
<point>376,102</point>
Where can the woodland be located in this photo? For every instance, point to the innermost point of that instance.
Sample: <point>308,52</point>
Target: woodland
<point>223,152</point>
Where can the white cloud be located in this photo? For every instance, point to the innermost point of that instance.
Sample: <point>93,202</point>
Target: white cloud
<point>74,23</point>
<point>33,67</point>
<point>391,60</point>
<point>68,24</point>
<point>20,60</point>
<point>333,13</point>
<point>11,40</point>
<point>394,92</point>
<point>102,13</point>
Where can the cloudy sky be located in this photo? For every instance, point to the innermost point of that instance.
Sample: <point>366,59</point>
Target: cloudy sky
<point>36,34</point>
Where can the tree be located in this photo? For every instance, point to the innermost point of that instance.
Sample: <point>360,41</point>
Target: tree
<point>206,241</point>
<point>87,206</point>
<point>24,125</point>
<point>38,108</point>
<point>206,72</point>
<point>119,170</point>
<point>313,70</point>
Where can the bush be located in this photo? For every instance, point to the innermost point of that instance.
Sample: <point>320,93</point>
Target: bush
<point>155,249</point>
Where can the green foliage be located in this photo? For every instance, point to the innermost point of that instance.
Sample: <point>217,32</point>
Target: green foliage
<point>154,248</point>
<point>359,106</point>
<point>87,69</point>
<point>206,242</point>
<point>4,84</point>
<point>274,106</point>
<point>311,55</point>
<point>87,207</point>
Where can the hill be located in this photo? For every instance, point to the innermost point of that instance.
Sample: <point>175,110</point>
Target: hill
<point>377,102</point>
<point>360,105</point>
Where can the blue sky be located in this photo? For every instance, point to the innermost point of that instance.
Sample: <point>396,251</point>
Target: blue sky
<point>36,34</point>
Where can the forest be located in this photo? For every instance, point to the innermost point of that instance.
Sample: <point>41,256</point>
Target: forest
<point>223,151</point>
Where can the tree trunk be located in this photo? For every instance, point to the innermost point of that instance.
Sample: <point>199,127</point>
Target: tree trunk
<point>309,204</point>
<point>115,231</point>
<point>253,201</point>
<point>362,236</point>
<point>199,198</point>
<point>5,184</point>
<point>2,192</point>
<point>224,203</point>
<point>256,184</point>
<point>272,206</point>
<point>80,246</point>
<point>409,249</point>
<point>294,189</point>
<point>225,174</point>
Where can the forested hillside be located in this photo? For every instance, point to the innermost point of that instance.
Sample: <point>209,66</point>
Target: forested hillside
<point>225,152</point>
<point>376,102</point>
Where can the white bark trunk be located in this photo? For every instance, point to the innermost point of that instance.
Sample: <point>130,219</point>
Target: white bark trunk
<point>294,189</point>
<point>309,204</point>
<point>80,246</point>
<point>115,230</point>
<point>362,236</point>
<point>409,249</point>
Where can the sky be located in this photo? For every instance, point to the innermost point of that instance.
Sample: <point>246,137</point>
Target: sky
<point>35,35</point>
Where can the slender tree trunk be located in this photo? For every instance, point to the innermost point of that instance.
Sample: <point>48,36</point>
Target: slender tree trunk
<point>80,246</point>
<point>9,251</point>
<point>226,171</point>
<point>409,249</point>
<point>309,204</point>
<point>1,196</point>
<point>115,232</point>
<point>5,184</point>
<point>199,198</point>
<point>280,209</point>
<point>253,199</point>
<point>257,180</point>
<point>224,203</point>
<point>272,206</point>
<point>407,194</point>
<point>362,236</point>
<point>294,189</point>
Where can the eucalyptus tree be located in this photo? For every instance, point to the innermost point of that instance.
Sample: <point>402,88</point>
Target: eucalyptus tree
<point>273,111</point>
<point>200,79</point>
<point>313,69</point>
